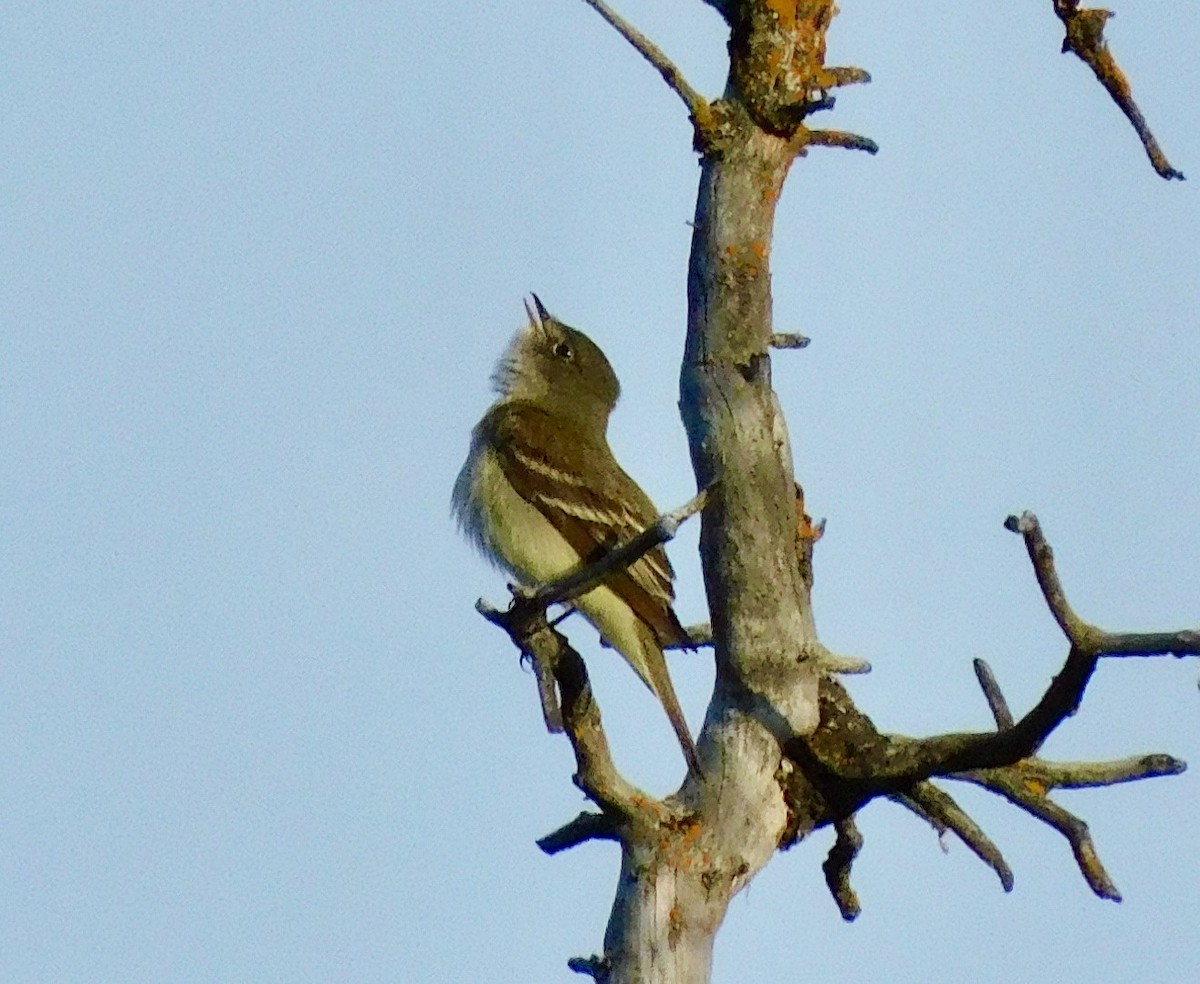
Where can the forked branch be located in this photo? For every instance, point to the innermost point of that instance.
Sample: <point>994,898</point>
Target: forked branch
<point>848,762</point>
<point>906,761</point>
<point>596,774</point>
<point>939,809</point>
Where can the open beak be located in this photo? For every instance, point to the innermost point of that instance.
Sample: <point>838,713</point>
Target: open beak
<point>533,319</point>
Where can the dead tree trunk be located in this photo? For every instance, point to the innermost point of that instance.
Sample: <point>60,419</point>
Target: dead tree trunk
<point>784,750</point>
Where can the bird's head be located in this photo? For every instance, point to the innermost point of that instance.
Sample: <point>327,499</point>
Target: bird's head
<point>548,362</point>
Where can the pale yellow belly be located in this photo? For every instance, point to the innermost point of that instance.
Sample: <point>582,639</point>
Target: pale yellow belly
<point>515,535</point>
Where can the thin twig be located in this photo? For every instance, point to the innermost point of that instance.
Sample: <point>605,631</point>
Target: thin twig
<point>1031,797</point>
<point>831,662</point>
<point>845,665</point>
<point>938,808</point>
<point>1085,37</point>
<point>833,138</point>
<point>543,670</point>
<point>1077,631</point>
<point>995,699</point>
<point>1184,643</point>
<point>596,774</point>
<point>914,806</point>
<point>1041,775</point>
<point>585,827</point>
<point>698,636</point>
<point>587,576</point>
<point>833,76</point>
<point>1084,635</point>
<point>696,104</point>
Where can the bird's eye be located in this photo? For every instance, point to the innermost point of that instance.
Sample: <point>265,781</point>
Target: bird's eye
<point>563,351</point>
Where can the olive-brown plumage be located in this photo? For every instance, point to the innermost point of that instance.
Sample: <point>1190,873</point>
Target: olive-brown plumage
<point>541,491</point>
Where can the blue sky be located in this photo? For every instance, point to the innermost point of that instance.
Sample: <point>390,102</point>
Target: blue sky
<point>257,263</point>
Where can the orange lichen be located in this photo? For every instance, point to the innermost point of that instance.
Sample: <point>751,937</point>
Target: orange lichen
<point>806,530</point>
<point>785,10</point>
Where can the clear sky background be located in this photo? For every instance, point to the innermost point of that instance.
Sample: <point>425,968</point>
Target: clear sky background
<point>256,263</point>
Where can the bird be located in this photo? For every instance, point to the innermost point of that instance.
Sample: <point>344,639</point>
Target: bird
<point>541,492</point>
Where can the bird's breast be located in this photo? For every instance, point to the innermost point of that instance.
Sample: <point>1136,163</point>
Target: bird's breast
<point>506,527</point>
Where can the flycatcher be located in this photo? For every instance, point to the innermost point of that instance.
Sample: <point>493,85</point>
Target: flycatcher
<point>541,492</point>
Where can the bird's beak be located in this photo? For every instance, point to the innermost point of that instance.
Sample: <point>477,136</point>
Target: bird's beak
<point>541,309</point>
<point>540,319</point>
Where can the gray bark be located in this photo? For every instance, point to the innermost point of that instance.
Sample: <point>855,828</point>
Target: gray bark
<point>670,903</point>
<point>783,748</point>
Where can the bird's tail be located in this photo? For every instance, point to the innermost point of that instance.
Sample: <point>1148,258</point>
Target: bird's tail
<point>654,672</point>
<point>670,703</point>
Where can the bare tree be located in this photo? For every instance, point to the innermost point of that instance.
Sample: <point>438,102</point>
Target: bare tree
<point>785,750</point>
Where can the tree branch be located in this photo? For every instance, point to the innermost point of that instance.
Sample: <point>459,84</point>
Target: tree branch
<point>1032,799</point>
<point>905,761</point>
<point>789,340</point>
<point>529,605</point>
<point>825,658</point>
<point>697,105</point>
<point>543,669</point>
<point>596,774</point>
<point>995,699</point>
<point>837,868</point>
<point>595,967</point>
<point>806,138</point>
<point>846,762</point>
<point>1084,775</point>
<point>1082,634</point>
<point>938,808</point>
<point>586,576</point>
<point>1040,777</point>
<point>1183,643</point>
<point>585,827</point>
<point>1085,37</point>
<point>830,662</point>
<point>1077,631</point>
<point>1028,783</point>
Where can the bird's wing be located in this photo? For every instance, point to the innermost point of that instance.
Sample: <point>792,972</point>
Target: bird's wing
<point>591,501</point>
